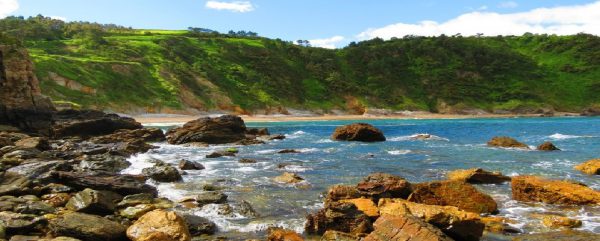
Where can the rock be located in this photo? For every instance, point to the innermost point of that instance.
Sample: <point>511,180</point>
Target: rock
<point>56,199</point>
<point>258,132</point>
<point>171,225</point>
<point>190,165</point>
<point>199,225</point>
<point>121,184</point>
<point>104,162</point>
<point>247,161</point>
<point>339,236</point>
<point>94,202</point>
<point>547,146</point>
<point>210,198</point>
<point>405,228</point>
<point>457,224</point>
<point>136,199</point>
<point>40,143</point>
<point>288,151</point>
<point>276,137</point>
<point>136,211</point>
<point>591,167</point>
<point>340,192</point>
<point>338,216</point>
<point>144,134</point>
<point>365,205</point>
<point>382,185</point>
<point>86,227</point>
<point>34,207</point>
<point>537,189</point>
<point>218,154</point>
<point>498,225</point>
<point>14,184</point>
<point>555,221</point>
<point>16,223</point>
<point>453,193</point>
<point>506,142</point>
<point>567,235</point>
<point>246,209</point>
<point>279,234</point>
<point>289,178</point>
<point>61,239</point>
<point>591,111</point>
<point>41,171</point>
<point>220,130</point>
<point>90,123</point>
<point>478,176</point>
<point>358,132</point>
<point>162,172</point>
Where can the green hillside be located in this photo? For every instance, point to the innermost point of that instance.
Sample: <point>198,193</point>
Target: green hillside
<point>123,69</point>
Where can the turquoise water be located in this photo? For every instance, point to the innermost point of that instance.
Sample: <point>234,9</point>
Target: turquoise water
<point>459,144</point>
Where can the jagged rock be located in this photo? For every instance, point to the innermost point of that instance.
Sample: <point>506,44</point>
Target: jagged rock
<point>247,161</point>
<point>210,198</point>
<point>218,154</point>
<point>537,189</point>
<point>453,193</point>
<point>383,185</point>
<point>547,146</point>
<point>279,234</point>
<point>365,205</point>
<point>199,225</point>
<point>289,178</point>
<point>220,130</point>
<point>405,228</point>
<point>162,172</point>
<point>90,123</point>
<point>121,184</point>
<point>339,236</point>
<point>94,202</point>
<point>40,143</point>
<point>478,176</point>
<point>568,235</point>
<point>14,184</point>
<point>16,223</point>
<point>104,162</point>
<point>168,225</point>
<point>358,132</point>
<point>41,170</point>
<point>591,167</point>
<point>341,192</point>
<point>190,165</point>
<point>338,216</point>
<point>246,209</point>
<point>87,227</point>
<point>498,225</point>
<point>144,134</point>
<point>506,142</point>
<point>458,224</point>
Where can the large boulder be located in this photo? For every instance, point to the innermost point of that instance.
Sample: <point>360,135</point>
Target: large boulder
<point>478,176</point>
<point>383,185</point>
<point>145,134</point>
<point>220,130</point>
<point>405,228</point>
<point>567,235</point>
<point>199,225</point>
<point>87,227</point>
<point>537,189</point>
<point>506,142</point>
<point>458,224</point>
<point>121,184</point>
<point>94,202</point>
<point>547,146</point>
<point>591,167</point>
<point>90,123</point>
<point>159,223</point>
<point>453,193</point>
<point>162,172</point>
<point>358,132</point>
<point>338,216</point>
<point>341,192</point>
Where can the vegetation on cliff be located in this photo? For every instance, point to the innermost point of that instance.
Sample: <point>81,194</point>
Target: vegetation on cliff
<point>123,69</point>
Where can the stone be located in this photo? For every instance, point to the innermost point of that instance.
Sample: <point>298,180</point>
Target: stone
<point>555,221</point>
<point>405,228</point>
<point>258,132</point>
<point>478,176</point>
<point>279,234</point>
<point>506,142</point>
<point>288,178</point>
<point>339,236</point>
<point>86,227</point>
<point>537,189</point>
<point>190,165</point>
<point>499,225</point>
<point>14,184</point>
<point>567,235</point>
<point>121,184</point>
<point>56,199</point>
<point>170,224</point>
<point>199,225</point>
<point>162,172</point>
<point>218,154</point>
<point>547,146</point>
<point>136,211</point>
<point>358,132</point>
<point>94,202</point>
<point>457,224</point>
<point>365,205</point>
<point>212,197</point>
<point>591,167</point>
<point>41,171</point>
<point>16,223</point>
<point>144,134</point>
<point>288,151</point>
<point>90,123</point>
<point>247,161</point>
<point>341,192</point>
<point>104,162</point>
<point>220,130</point>
<point>136,199</point>
<point>453,193</point>
<point>40,143</point>
<point>338,216</point>
<point>246,209</point>
<point>34,207</point>
<point>383,185</point>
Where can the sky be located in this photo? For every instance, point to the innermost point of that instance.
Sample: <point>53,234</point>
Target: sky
<point>329,23</point>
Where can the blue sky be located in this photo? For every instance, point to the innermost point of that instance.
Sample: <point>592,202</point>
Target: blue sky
<point>329,23</point>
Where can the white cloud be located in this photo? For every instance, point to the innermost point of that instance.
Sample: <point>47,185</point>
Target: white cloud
<point>557,20</point>
<point>7,7</point>
<point>329,43</point>
<point>59,18</point>
<point>509,4</point>
<point>236,6</point>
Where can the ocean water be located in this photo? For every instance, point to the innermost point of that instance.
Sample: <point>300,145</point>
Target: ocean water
<point>458,144</point>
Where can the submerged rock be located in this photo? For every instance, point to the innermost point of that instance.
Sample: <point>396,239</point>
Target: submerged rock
<point>87,227</point>
<point>591,167</point>
<point>14,184</point>
<point>247,161</point>
<point>405,228</point>
<point>289,178</point>
<point>358,132</point>
<point>547,146</point>
<point>288,151</point>
<point>383,185</point>
<point>159,223</point>
<point>338,216</point>
<point>220,130</point>
<point>453,193</point>
<point>478,176</point>
<point>506,142</point>
<point>218,154</point>
<point>555,221</point>
<point>537,189</point>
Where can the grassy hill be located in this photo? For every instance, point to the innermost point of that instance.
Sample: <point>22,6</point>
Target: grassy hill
<point>128,70</point>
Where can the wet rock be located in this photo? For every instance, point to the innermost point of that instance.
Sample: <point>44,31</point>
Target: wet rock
<point>56,199</point>
<point>15,223</point>
<point>89,123</point>
<point>288,151</point>
<point>220,130</point>
<point>358,132</point>
<point>547,146</point>
<point>130,148</point>
<point>199,225</point>
<point>40,143</point>
<point>341,192</point>
<point>190,165</point>
<point>162,172</point>
<point>338,216</point>
<point>382,185</point>
<point>14,184</point>
<point>159,223</point>
<point>339,236</point>
<point>498,225</point>
<point>22,154</point>
<point>457,224</point>
<point>258,131</point>
<point>34,207</point>
<point>365,205</point>
<point>247,161</point>
<point>103,162</point>
<point>210,198</point>
<point>136,199</point>
<point>478,176</point>
<point>121,184</point>
<point>41,171</point>
<point>289,178</point>
<point>87,227</point>
<point>537,189</point>
<point>275,137</point>
<point>246,209</point>
<point>94,202</point>
<point>568,235</point>
<point>136,211</point>
<point>591,167</point>
<point>453,193</point>
<point>506,142</point>
<point>144,134</point>
<point>406,228</point>
<point>555,221</point>
<point>279,234</point>
<point>218,154</point>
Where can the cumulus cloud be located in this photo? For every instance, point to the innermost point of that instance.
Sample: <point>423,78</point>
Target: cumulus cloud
<point>509,4</point>
<point>7,7</point>
<point>329,43</point>
<point>563,20</point>
<point>59,18</point>
<point>236,6</point>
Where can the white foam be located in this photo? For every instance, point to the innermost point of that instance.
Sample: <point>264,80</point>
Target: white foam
<point>399,152</point>
<point>558,136</point>
<point>295,135</point>
<point>416,137</point>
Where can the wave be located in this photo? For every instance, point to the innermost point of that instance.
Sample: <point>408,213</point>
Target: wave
<point>295,135</point>
<point>399,152</point>
<point>559,136</point>
<point>419,137</point>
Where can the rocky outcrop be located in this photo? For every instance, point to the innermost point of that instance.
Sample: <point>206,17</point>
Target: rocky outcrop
<point>478,176</point>
<point>220,130</point>
<point>279,234</point>
<point>159,225</point>
<point>592,111</point>
<point>199,225</point>
<point>338,216</point>
<point>537,189</point>
<point>365,205</point>
<point>341,192</point>
<point>453,193</point>
<point>559,236</point>
<point>405,228</point>
<point>591,167</point>
<point>87,227</point>
<point>121,184</point>
<point>358,132</point>
<point>145,134</point>
<point>547,146</point>
<point>339,236</point>
<point>90,123</point>
<point>506,142</point>
<point>383,185</point>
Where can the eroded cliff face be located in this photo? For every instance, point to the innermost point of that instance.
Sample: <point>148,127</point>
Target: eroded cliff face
<point>21,103</point>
